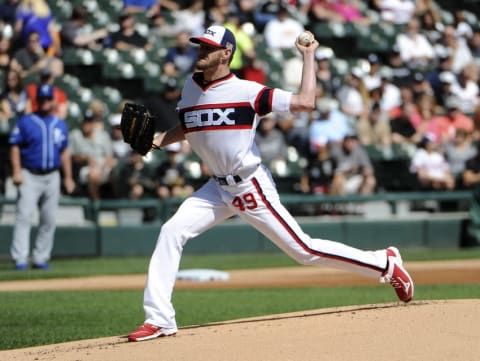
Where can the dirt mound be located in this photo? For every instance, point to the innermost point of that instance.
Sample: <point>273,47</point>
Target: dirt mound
<point>422,330</point>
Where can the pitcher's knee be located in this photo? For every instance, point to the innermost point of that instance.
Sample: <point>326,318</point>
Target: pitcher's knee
<point>170,233</point>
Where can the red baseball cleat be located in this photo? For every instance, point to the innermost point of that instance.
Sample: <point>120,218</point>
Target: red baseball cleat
<point>398,276</point>
<point>148,332</point>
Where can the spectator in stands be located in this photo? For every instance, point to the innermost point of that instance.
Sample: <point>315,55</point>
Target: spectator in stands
<point>471,173</point>
<point>216,13</point>
<point>329,122</point>
<point>36,16</point>
<point>31,58</point>
<point>245,48</point>
<point>191,18</point>
<point>149,7</point>
<point>458,152</point>
<point>99,111</point>
<point>403,118</point>
<point>453,120</point>
<point>463,29</point>
<point>173,5</point>
<point>78,33</point>
<point>318,175</point>
<point>291,73</point>
<point>295,127</point>
<point>375,128</point>
<point>181,56</point>
<point>353,96</point>
<point>329,82</point>
<point>466,89</point>
<point>254,69</point>
<point>246,10</point>
<point>415,50</point>
<point>272,144</point>
<point>127,37</point>
<point>435,77</point>
<point>400,71</point>
<point>474,44</point>
<point>387,94</point>
<point>426,122</point>
<point>447,79</point>
<point>4,129</point>
<point>476,124</point>
<point>159,29</point>
<point>373,77</point>
<point>320,11</point>
<point>8,11</point>
<point>431,6</point>
<point>395,11</point>
<point>92,155</point>
<point>13,99</point>
<point>59,96</point>
<point>420,85</point>
<point>265,11</point>
<point>431,26</point>
<point>120,149</point>
<point>354,172</point>
<point>349,11</point>
<point>300,10</point>
<point>282,31</point>
<point>458,48</point>
<point>164,105</point>
<point>133,178</point>
<point>170,175</point>
<point>430,166</point>
<point>5,52</point>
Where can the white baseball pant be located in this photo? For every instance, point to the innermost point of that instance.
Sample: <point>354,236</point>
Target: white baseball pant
<point>256,200</point>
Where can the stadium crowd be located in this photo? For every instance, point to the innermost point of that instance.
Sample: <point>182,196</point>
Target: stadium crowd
<point>418,100</point>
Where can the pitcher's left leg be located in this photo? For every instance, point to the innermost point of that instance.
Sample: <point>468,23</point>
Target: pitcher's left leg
<point>273,220</point>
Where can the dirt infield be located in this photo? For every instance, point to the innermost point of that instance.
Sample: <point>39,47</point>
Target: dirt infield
<point>421,330</point>
<point>431,272</point>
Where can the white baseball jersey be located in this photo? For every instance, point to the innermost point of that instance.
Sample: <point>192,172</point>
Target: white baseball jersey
<point>219,120</point>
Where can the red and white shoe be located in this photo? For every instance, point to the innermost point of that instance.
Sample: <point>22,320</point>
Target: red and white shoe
<point>398,276</point>
<point>148,332</point>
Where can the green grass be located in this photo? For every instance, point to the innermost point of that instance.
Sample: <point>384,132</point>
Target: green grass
<point>135,265</point>
<point>29,319</point>
<point>37,318</point>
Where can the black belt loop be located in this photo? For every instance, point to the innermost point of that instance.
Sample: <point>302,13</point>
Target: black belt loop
<point>223,180</point>
<point>42,171</point>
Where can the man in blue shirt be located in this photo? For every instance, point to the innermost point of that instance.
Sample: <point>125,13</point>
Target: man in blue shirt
<point>39,148</point>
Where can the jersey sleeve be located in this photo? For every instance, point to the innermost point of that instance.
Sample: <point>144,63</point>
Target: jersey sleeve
<point>272,100</point>
<point>65,138</point>
<point>16,135</point>
<point>281,100</point>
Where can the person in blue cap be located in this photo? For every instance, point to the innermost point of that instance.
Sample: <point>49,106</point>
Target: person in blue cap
<point>38,150</point>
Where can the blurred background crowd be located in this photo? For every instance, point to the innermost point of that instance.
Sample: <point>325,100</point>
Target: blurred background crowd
<point>398,103</point>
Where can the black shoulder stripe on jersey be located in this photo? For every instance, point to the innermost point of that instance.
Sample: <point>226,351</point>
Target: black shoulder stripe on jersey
<point>263,103</point>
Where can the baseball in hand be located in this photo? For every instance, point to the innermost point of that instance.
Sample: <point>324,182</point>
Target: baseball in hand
<point>305,38</point>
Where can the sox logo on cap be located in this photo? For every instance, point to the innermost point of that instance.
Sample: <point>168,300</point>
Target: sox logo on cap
<point>216,36</point>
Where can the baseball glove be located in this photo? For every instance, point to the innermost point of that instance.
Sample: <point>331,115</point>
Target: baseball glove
<point>138,127</point>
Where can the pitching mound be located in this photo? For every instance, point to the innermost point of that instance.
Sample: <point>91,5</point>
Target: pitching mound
<point>422,330</point>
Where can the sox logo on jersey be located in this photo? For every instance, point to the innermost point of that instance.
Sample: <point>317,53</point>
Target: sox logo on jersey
<point>208,117</point>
